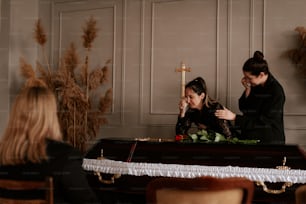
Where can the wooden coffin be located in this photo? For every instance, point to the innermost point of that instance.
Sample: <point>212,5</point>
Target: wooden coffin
<point>131,189</point>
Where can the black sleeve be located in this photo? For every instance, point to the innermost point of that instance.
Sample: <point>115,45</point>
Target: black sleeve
<point>183,124</point>
<point>74,181</point>
<point>222,126</point>
<point>269,115</point>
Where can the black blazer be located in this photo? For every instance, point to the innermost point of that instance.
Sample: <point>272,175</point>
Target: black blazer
<point>262,110</point>
<point>65,166</point>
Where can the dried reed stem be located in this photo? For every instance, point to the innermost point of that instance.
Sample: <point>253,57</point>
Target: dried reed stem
<point>41,39</point>
<point>89,34</point>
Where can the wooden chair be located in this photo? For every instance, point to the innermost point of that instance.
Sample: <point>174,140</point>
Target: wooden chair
<point>201,190</point>
<point>27,187</point>
<point>300,195</point>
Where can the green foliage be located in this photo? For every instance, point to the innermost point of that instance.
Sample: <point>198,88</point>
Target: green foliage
<point>209,136</point>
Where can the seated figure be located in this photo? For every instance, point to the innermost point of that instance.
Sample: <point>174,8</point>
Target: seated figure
<point>197,108</point>
<point>32,147</point>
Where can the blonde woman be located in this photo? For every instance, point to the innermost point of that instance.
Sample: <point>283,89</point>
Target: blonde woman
<point>32,147</point>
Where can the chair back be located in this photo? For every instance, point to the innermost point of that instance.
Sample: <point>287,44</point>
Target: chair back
<point>300,195</point>
<point>25,186</point>
<point>200,190</point>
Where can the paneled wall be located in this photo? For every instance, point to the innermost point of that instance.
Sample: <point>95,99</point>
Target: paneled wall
<point>148,39</point>
<point>16,31</point>
<point>4,85</point>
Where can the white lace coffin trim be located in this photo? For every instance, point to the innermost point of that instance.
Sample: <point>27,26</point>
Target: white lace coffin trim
<point>190,171</point>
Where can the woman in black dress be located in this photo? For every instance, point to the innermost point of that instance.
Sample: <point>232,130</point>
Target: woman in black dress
<point>198,109</point>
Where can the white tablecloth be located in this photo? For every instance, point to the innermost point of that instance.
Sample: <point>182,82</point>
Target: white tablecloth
<point>191,171</point>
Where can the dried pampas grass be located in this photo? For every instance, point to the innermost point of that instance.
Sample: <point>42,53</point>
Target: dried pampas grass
<point>40,35</point>
<point>89,33</point>
<point>26,69</point>
<point>72,82</point>
<point>298,55</point>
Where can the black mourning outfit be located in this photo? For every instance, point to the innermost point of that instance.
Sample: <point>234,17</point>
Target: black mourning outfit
<point>205,117</point>
<point>262,110</point>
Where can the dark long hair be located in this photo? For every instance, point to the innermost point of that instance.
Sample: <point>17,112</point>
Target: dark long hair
<point>256,64</point>
<point>198,85</point>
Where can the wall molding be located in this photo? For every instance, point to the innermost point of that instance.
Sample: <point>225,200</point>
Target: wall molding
<point>147,112</point>
<point>61,8</point>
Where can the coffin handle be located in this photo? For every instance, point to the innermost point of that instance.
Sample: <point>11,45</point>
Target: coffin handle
<point>273,191</point>
<point>284,186</point>
<point>106,181</point>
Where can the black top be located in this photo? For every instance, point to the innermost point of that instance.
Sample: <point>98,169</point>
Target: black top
<point>65,166</point>
<point>207,117</point>
<point>262,110</point>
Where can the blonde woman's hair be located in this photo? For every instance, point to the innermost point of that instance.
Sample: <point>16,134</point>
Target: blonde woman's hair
<point>32,120</point>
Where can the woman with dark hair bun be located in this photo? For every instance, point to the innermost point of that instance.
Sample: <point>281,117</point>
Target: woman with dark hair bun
<point>199,109</point>
<point>262,104</point>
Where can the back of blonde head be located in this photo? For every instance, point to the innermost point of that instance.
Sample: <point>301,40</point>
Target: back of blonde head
<point>33,118</point>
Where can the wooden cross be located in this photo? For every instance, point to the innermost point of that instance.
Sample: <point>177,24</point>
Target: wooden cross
<point>183,70</point>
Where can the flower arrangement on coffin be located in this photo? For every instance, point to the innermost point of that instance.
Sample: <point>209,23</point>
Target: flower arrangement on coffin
<point>298,55</point>
<point>210,136</point>
<point>73,82</point>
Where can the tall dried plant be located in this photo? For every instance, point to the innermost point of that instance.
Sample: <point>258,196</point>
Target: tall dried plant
<point>298,55</point>
<point>72,84</point>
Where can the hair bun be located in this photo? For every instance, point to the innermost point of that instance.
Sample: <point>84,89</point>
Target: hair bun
<point>258,56</point>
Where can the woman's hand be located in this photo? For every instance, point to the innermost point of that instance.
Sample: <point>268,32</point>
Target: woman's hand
<point>247,85</point>
<point>225,114</point>
<point>245,82</point>
<point>183,105</point>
